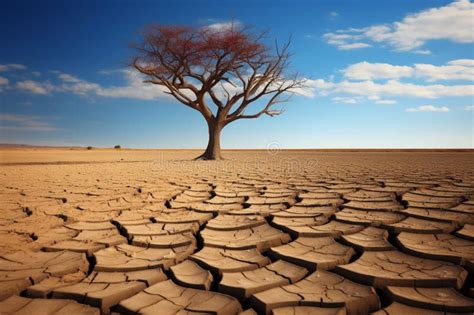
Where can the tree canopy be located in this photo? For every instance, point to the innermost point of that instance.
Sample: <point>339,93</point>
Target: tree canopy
<point>229,68</point>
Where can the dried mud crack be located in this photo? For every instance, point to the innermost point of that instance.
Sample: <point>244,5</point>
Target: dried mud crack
<point>348,233</point>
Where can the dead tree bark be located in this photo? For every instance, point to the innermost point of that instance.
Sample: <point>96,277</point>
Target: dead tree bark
<point>231,68</point>
<point>213,149</point>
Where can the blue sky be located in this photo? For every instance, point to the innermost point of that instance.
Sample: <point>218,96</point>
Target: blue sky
<point>381,74</point>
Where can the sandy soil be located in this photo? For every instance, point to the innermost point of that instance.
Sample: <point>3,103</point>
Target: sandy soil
<point>288,232</point>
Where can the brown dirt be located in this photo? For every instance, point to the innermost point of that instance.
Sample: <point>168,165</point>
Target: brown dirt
<point>147,231</point>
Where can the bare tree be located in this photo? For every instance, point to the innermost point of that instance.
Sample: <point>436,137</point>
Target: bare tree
<point>230,68</point>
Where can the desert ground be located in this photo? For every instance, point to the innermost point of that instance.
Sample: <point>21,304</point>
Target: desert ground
<point>267,232</point>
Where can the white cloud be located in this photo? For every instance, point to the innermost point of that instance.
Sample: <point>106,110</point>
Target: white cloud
<point>452,71</point>
<point>68,78</point>
<point>422,52</point>
<point>345,41</point>
<point>396,88</point>
<point>391,88</point>
<point>3,81</point>
<point>35,87</point>
<point>75,85</point>
<point>346,91</point>
<point>346,100</point>
<point>451,22</point>
<point>386,102</point>
<point>357,99</point>
<point>469,108</point>
<point>361,80</point>
<point>462,69</point>
<point>12,66</point>
<point>462,62</point>
<point>353,46</point>
<point>373,97</point>
<point>333,15</point>
<point>80,87</point>
<point>109,72</point>
<point>12,122</point>
<point>135,88</point>
<point>306,91</point>
<point>224,26</point>
<point>428,108</point>
<point>373,71</point>
<point>16,66</point>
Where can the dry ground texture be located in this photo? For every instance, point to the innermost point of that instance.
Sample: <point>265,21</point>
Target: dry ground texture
<point>290,232</point>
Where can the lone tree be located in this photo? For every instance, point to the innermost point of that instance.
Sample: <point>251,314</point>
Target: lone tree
<point>231,68</point>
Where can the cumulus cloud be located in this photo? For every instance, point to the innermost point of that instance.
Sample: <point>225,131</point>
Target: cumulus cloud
<point>364,79</point>
<point>428,108</point>
<point>462,62</point>
<point>454,70</point>
<point>12,122</point>
<point>396,88</point>
<point>68,78</point>
<point>422,52</point>
<point>452,22</point>
<point>318,87</point>
<point>373,71</point>
<point>12,66</point>
<point>346,99</point>
<point>357,99</point>
<point>386,102</point>
<point>80,87</point>
<point>353,46</point>
<point>3,81</point>
<point>462,69</point>
<point>36,87</point>
<point>391,88</point>
<point>346,41</point>
<point>359,83</point>
<point>224,26</point>
<point>134,87</point>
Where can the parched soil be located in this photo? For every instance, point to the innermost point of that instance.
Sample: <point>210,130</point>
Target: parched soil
<point>280,232</point>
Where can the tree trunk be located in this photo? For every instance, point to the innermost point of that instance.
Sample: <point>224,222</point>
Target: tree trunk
<point>213,150</point>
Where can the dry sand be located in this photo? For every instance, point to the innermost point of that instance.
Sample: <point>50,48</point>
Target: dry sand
<point>289,232</point>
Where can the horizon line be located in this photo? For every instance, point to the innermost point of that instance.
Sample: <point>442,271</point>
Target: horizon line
<point>33,146</point>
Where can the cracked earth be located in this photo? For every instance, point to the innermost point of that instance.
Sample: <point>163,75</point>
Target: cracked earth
<point>298,232</point>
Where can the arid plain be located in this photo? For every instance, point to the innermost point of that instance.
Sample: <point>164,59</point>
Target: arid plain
<point>282,232</point>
